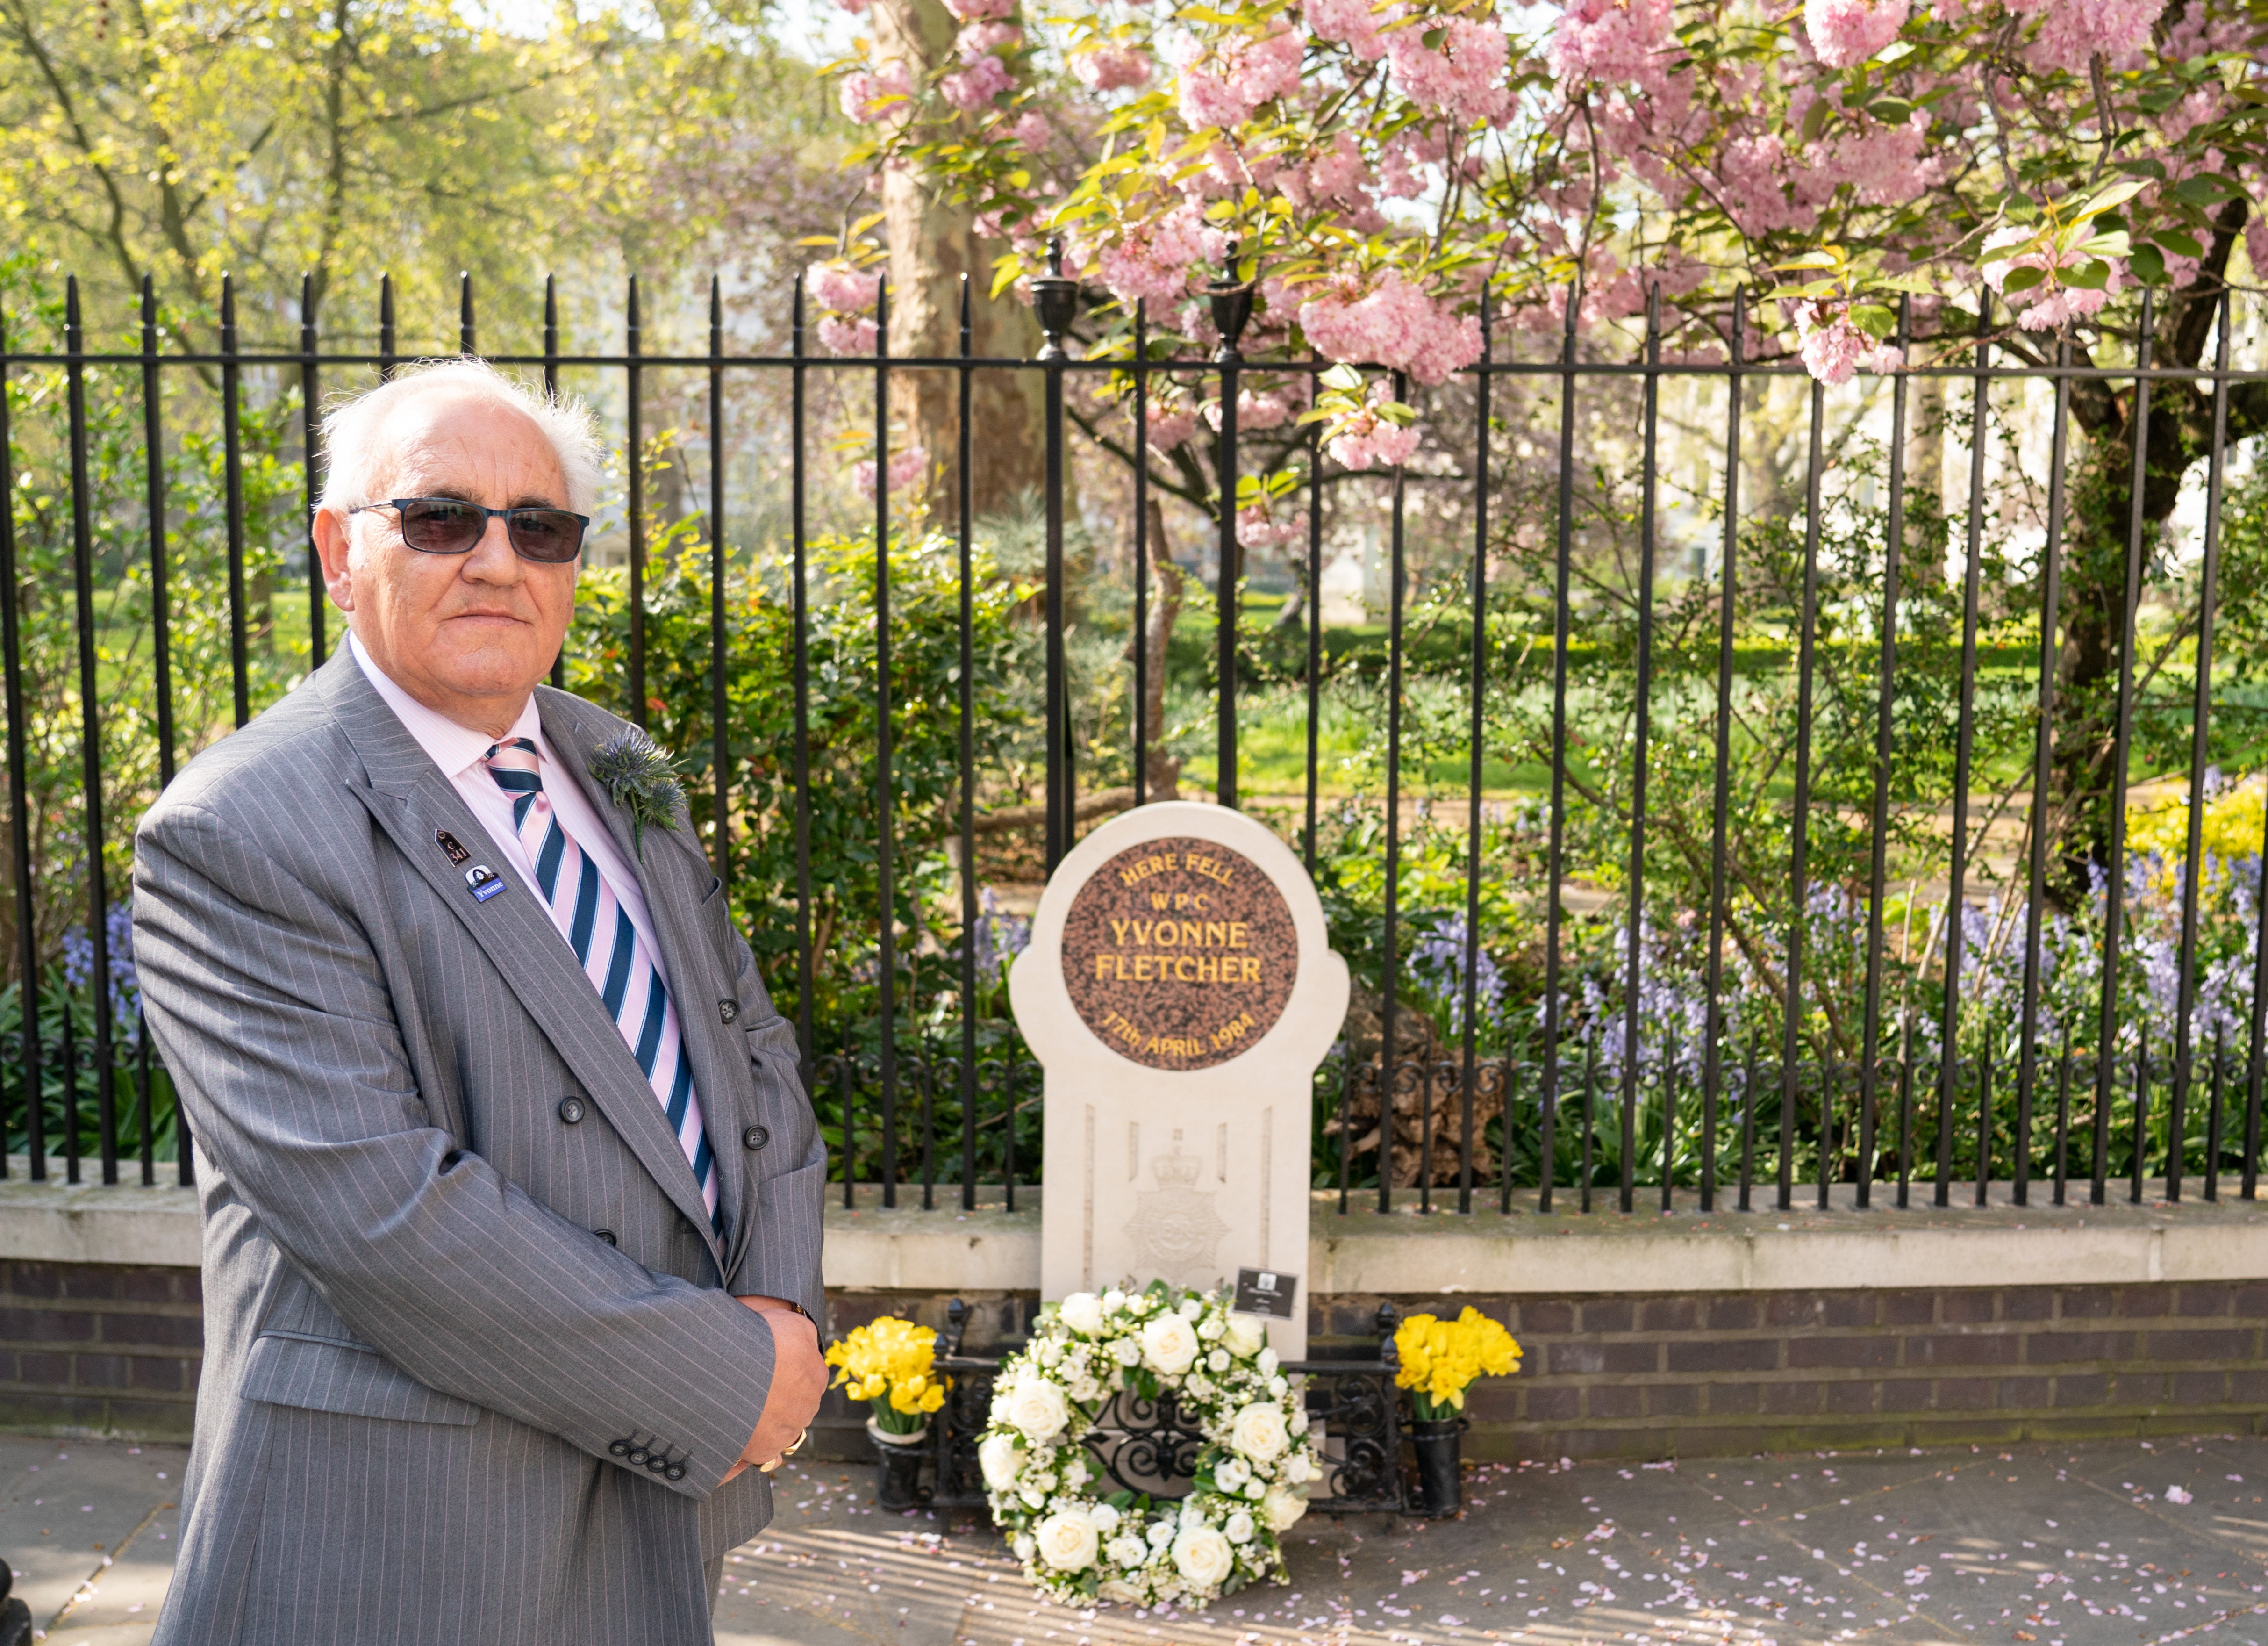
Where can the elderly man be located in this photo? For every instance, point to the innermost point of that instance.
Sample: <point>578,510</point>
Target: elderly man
<point>512,1195</point>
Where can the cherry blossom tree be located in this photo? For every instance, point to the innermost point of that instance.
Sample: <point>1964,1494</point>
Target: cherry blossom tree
<point>2027,171</point>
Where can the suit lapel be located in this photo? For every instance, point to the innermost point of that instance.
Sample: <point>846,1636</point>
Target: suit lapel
<point>410,799</point>
<point>675,880</point>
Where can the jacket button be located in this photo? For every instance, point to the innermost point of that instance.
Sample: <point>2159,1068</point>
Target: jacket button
<point>657,1465</point>
<point>571,1109</point>
<point>638,1455</point>
<point>676,1472</point>
<point>729,1010</point>
<point>620,1448</point>
<point>607,1235</point>
<point>755,1137</point>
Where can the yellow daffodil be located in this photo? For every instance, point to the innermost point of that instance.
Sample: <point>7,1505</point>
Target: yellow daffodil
<point>1441,1358</point>
<point>891,1363</point>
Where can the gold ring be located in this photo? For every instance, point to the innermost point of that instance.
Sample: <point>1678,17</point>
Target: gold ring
<point>793,1446</point>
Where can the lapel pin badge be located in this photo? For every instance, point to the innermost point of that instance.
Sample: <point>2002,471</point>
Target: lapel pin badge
<point>485,882</point>
<point>449,849</point>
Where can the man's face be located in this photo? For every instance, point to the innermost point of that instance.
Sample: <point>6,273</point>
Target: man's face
<point>468,635</point>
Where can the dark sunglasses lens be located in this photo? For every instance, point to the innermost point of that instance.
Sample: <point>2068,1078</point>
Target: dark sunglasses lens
<point>435,526</point>
<point>550,535</point>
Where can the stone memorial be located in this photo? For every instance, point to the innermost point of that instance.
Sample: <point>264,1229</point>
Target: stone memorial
<point>1179,990</point>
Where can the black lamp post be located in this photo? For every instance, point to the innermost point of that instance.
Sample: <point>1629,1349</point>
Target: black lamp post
<point>1230,300</point>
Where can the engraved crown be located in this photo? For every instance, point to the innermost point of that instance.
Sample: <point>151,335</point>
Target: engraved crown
<point>1177,1170</point>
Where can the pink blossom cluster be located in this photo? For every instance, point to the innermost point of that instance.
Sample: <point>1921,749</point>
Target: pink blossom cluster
<point>906,468</point>
<point>843,293</point>
<point>1257,528</point>
<point>972,88</point>
<point>1109,69</point>
<point>1618,42</point>
<point>869,95</point>
<point>1269,408</point>
<point>971,10</point>
<point>1153,262</point>
<point>1395,325</point>
<point>2050,303</point>
<point>1464,79</point>
<point>1833,349</point>
<point>1366,439</point>
<point>1846,32</point>
<point>1218,92</point>
<point>1349,23</point>
<point>1171,423</point>
<point>2071,32</point>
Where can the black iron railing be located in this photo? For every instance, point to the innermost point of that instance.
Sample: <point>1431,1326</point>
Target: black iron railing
<point>1542,1065</point>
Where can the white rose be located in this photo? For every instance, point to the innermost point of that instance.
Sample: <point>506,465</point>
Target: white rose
<point>1278,1387</point>
<point>1000,1457</point>
<point>1218,1360</point>
<point>1231,1473</point>
<point>1169,1344</point>
<point>1082,1312</point>
<point>1037,1407</point>
<point>1240,1527</point>
<point>1258,1431</point>
<point>1162,1533</point>
<point>1076,1475</point>
<point>1067,1541</point>
<point>1141,1303</point>
<point>1203,1557</point>
<point>1022,1547</point>
<point>1299,1466</point>
<point>1300,1421</point>
<point>1119,1593</point>
<point>1104,1516</point>
<point>1211,1328</point>
<point>1125,1351</point>
<point>1255,1489</point>
<point>1035,1497</point>
<point>1246,1334</point>
<point>1282,1510</point>
<point>1200,1385</point>
<point>1128,1550</point>
<point>1084,1387</point>
<point>1268,1363</point>
<point>1112,1300</point>
<point>1192,1307</point>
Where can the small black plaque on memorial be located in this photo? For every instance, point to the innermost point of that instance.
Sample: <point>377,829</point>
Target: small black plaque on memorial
<point>1268,1292</point>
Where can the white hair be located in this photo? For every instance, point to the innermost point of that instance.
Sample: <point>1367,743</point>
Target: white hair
<point>354,444</point>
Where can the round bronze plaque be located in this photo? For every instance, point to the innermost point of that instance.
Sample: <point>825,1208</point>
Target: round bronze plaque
<point>1180,953</point>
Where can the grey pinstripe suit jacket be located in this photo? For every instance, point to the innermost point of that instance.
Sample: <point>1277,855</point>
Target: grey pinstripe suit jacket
<point>419,1346</point>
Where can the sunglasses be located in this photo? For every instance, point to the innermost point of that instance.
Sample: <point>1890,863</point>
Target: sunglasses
<point>452,526</point>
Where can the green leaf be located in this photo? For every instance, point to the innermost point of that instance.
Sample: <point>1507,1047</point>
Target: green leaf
<point>2149,265</point>
<point>1815,120</point>
<point>2021,280</point>
<point>2144,168</point>
<point>2116,245</point>
<point>2117,195</point>
<point>2091,276</point>
<point>2178,243</point>
<point>1892,111</point>
<point>2206,189</point>
<point>1873,319</point>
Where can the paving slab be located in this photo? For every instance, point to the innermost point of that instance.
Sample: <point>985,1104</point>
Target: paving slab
<point>2113,1544</point>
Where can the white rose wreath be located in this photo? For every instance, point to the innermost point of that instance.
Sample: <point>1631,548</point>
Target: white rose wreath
<point>1252,1470</point>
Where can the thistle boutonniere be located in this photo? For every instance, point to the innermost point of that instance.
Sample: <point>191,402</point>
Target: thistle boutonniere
<point>640,777</point>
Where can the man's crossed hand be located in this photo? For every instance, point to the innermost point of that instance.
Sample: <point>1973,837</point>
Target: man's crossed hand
<point>798,1380</point>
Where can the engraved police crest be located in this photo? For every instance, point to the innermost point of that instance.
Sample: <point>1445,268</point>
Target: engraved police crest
<point>1175,1227</point>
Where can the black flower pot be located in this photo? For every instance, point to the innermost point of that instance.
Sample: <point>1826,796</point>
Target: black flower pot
<point>898,1462</point>
<point>1440,1488</point>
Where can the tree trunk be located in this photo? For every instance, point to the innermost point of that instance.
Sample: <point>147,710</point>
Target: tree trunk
<point>932,244</point>
<point>1926,508</point>
<point>2092,612</point>
<point>1162,771</point>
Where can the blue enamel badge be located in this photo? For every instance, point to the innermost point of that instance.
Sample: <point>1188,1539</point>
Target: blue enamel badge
<point>485,882</point>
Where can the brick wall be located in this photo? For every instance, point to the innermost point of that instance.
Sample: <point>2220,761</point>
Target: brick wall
<point>115,1349</point>
<point>1744,1372</point>
<point>98,1347</point>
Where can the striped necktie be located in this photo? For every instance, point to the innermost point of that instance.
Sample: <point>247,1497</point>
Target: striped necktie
<point>610,951</point>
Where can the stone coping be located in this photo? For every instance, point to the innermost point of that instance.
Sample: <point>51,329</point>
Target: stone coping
<point>1405,1252</point>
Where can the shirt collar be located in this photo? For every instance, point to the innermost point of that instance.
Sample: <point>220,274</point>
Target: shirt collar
<point>454,749</point>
